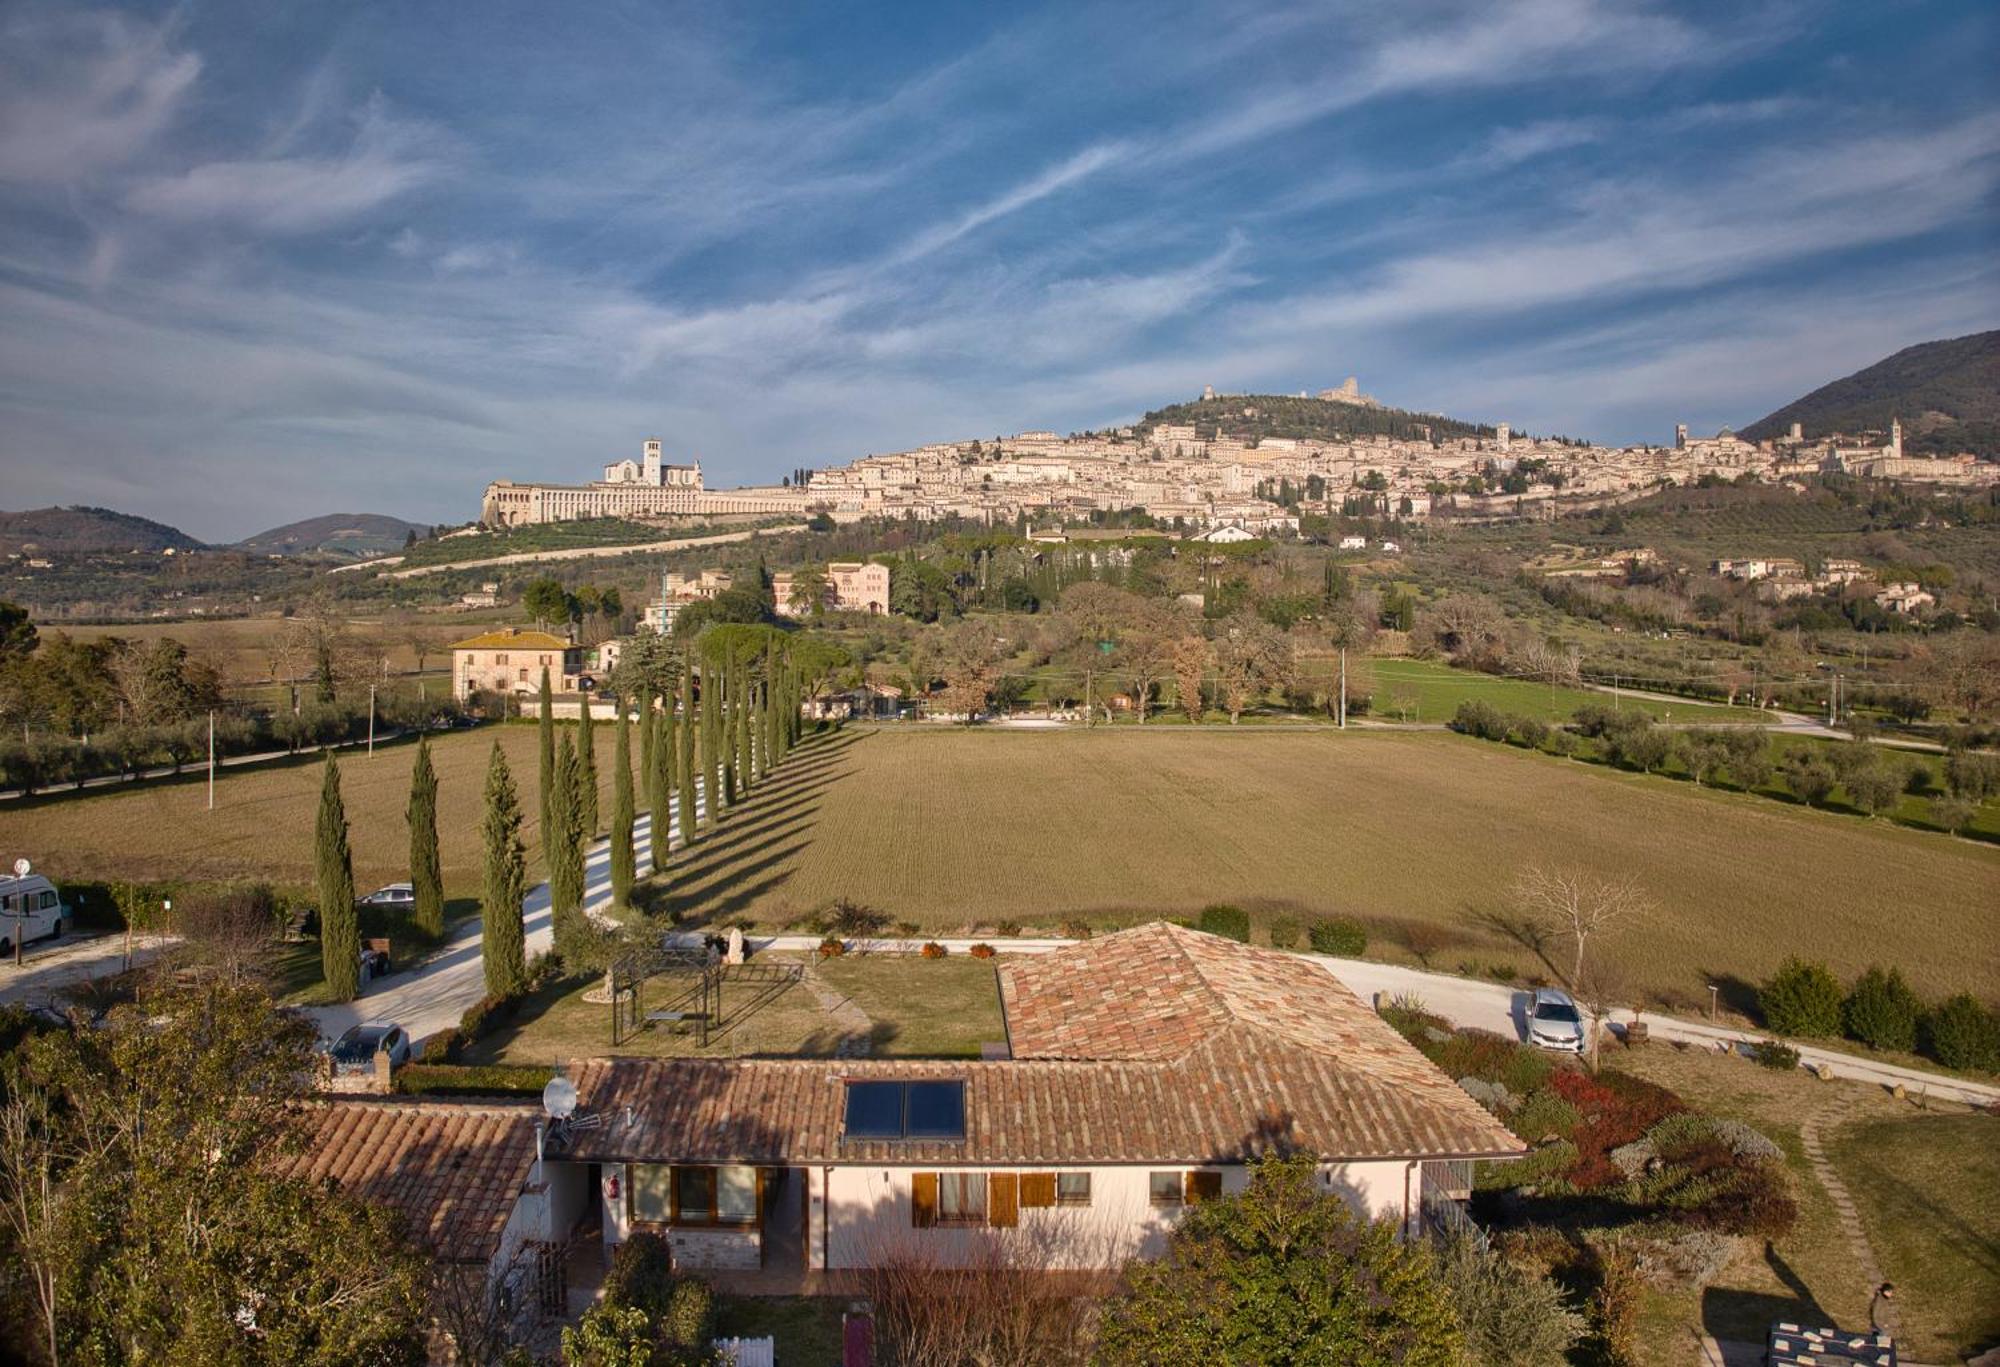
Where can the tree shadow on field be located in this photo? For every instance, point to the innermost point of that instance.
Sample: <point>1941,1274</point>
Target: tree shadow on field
<point>1515,928</point>
<point>1734,993</point>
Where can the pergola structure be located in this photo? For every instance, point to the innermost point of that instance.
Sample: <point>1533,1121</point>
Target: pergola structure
<point>630,971</point>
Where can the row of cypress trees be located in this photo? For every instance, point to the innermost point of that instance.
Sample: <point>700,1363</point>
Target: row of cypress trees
<point>717,731</point>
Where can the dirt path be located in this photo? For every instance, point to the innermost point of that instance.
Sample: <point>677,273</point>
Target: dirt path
<point>855,1025</point>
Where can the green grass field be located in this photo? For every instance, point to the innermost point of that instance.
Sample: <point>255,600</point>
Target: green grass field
<point>1435,691</point>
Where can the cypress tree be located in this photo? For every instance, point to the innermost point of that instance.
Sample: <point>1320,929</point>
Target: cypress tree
<point>502,941</point>
<point>339,925</point>
<point>663,774</point>
<point>586,770</point>
<point>685,758</point>
<point>743,697</point>
<point>711,741</point>
<point>622,862</point>
<point>565,852</point>
<point>647,735</point>
<point>426,878</point>
<point>546,736</point>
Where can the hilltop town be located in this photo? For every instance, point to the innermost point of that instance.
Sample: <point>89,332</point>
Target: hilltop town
<point>1227,472</point>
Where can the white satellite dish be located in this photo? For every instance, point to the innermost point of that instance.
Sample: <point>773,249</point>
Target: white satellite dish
<point>21,867</point>
<point>559,1098</point>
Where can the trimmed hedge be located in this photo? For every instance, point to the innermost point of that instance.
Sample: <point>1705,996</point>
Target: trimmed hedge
<point>1802,998</point>
<point>1961,1033</point>
<point>1232,923</point>
<point>1339,936</point>
<point>1882,1012</point>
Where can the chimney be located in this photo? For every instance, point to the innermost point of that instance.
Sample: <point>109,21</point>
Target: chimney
<point>385,1073</point>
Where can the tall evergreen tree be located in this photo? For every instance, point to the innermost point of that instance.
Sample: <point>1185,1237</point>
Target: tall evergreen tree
<point>711,742</point>
<point>565,852</point>
<point>426,877</point>
<point>586,770</point>
<point>622,861</point>
<point>742,700</point>
<point>546,737</point>
<point>502,941</point>
<point>689,792</point>
<point>664,771</point>
<point>648,733</point>
<point>339,925</point>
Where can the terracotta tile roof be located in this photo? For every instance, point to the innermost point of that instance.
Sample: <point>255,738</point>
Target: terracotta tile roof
<point>1152,1045</point>
<point>518,638</point>
<point>454,1171</point>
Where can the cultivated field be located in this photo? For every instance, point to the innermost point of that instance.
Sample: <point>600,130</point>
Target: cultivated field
<point>955,829</point>
<point>262,825</point>
<point>951,828</point>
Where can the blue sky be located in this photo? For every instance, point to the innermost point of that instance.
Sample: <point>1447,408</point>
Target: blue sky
<point>260,262</point>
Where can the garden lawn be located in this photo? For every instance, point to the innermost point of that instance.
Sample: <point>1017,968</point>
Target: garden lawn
<point>1436,690</point>
<point>956,830</point>
<point>915,1007</point>
<point>1928,1188</point>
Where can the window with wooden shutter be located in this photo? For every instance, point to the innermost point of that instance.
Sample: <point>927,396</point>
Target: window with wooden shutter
<point>1002,1205</point>
<point>1038,1189</point>
<point>1203,1186</point>
<point>923,1199</point>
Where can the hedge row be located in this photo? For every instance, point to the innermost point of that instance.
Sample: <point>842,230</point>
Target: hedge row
<point>1804,999</point>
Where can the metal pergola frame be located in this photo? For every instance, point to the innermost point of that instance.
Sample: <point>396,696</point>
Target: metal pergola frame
<point>630,970</point>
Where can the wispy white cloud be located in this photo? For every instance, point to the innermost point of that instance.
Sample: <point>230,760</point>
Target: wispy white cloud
<point>1064,174</point>
<point>81,94</point>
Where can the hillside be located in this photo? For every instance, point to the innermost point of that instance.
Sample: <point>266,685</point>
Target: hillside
<point>1287,415</point>
<point>348,535</point>
<point>1947,394</point>
<point>87,531</point>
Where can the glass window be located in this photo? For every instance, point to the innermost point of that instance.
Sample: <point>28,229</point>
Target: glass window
<point>962,1197</point>
<point>936,1110</point>
<point>1072,1188</point>
<point>651,1192</point>
<point>736,1196</point>
<point>874,1110</point>
<point>48,900</point>
<point>1164,1188</point>
<point>694,1195</point>
<point>1204,1186</point>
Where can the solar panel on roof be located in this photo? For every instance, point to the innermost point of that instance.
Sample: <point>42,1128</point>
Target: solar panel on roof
<point>935,1110</point>
<point>874,1110</point>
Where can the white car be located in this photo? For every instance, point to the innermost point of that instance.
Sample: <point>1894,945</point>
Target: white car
<point>30,909</point>
<point>1554,1022</point>
<point>398,896</point>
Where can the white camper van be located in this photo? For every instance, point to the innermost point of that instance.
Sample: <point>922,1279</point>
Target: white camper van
<point>30,909</point>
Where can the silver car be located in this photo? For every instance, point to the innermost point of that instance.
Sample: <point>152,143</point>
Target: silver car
<point>355,1051</point>
<point>397,896</point>
<point>1554,1022</point>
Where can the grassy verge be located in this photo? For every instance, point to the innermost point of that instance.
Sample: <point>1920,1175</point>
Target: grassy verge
<point>807,1328</point>
<point>1431,692</point>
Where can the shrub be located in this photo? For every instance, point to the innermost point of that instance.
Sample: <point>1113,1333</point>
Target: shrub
<point>832,947</point>
<point>1009,928</point>
<point>1481,720</point>
<point>907,930</point>
<point>1562,742</point>
<point>1339,936</point>
<point>982,950</point>
<point>1802,998</point>
<point>1778,1056</point>
<point>1076,930</point>
<point>851,919</point>
<point>1963,1034</point>
<point>1531,731</point>
<point>1614,1308</point>
<point>1286,932</point>
<point>1513,1316</point>
<point>1232,923</point>
<point>933,950</point>
<point>1882,1012</point>
<point>1545,1115</point>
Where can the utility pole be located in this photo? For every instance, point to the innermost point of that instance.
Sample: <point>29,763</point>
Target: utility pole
<point>1342,705</point>
<point>211,759</point>
<point>1089,707</point>
<point>371,719</point>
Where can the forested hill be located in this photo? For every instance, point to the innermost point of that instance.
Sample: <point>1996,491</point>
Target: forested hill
<point>1286,415</point>
<point>353,535</point>
<point>1947,394</point>
<point>84,531</point>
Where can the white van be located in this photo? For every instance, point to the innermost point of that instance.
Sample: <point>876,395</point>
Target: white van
<point>30,909</point>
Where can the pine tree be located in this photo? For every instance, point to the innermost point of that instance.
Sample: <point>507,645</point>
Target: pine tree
<point>426,878</point>
<point>339,926</point>
<point>684,759</point>
<point>502,943</point>
<point>565,853</point>
<point>586,769</point>
<point>546,735</point>
<point>622,861</point>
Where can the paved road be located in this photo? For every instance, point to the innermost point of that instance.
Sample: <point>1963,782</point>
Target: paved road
<point>679,543</point>
<point>196,769</point>
<point>49,966</point>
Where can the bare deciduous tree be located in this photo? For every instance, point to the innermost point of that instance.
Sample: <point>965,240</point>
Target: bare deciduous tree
<point>1571,904</point>
<point>1190,668</point>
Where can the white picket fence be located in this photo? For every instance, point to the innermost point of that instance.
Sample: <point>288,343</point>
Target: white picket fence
<point>749,1352</point>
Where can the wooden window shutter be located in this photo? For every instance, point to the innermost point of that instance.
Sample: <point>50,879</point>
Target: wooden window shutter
<point>1002,1205</point>
<point>1203,1186</point>
<point>923,1199</point>
<point>1038,1189</point>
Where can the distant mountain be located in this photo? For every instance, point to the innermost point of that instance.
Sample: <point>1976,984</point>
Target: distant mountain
<point>80,530</point>
<point>1946,393</point>
<point>1288,415</point>
<point>351,536</point>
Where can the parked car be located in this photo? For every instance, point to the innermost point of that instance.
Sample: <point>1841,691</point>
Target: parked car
<point>355,1051</point>
<point>397,897</point>
<point>1554,1022</point>
<point>30,909</point>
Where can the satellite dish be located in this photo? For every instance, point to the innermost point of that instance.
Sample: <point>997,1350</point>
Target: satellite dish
<point>21,867</point>
<point>559,1098</point>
